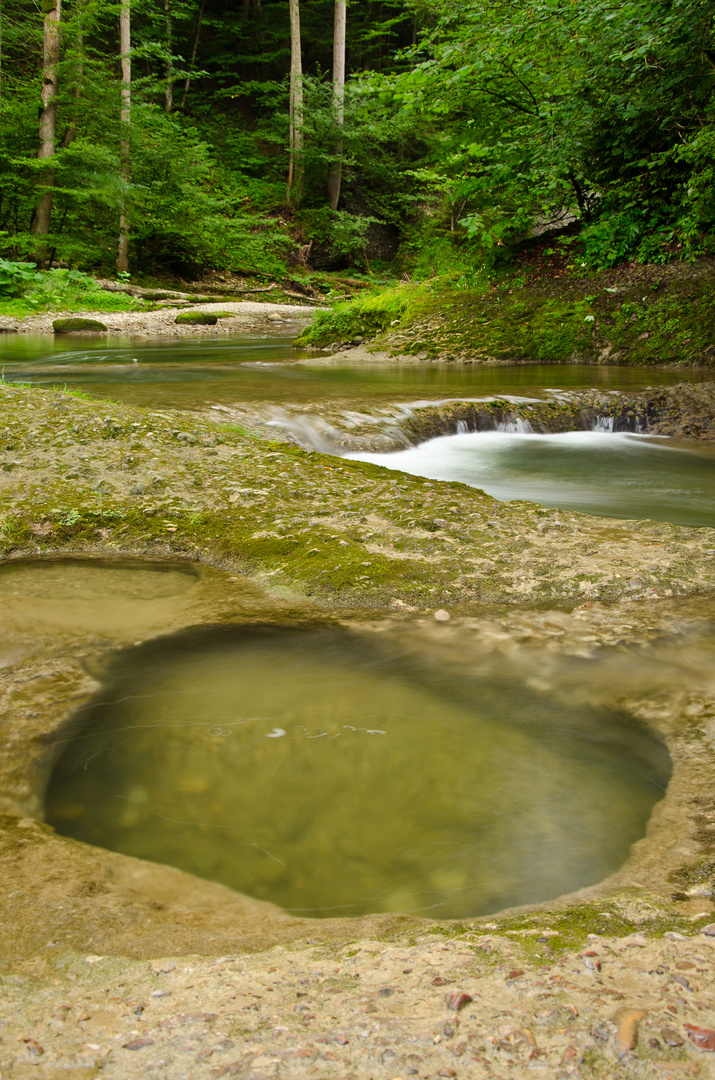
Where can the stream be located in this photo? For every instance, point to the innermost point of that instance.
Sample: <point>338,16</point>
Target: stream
<point>194,373</point>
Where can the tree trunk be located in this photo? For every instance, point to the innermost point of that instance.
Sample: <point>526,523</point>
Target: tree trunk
<point>169,93</point>
<point>194,50</point>
<point>295,140</point>
<point>48,120</point>
<point>336,168</point>
<point>125,112</point>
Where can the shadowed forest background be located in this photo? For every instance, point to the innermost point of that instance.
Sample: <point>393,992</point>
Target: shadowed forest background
<point>467,129</point>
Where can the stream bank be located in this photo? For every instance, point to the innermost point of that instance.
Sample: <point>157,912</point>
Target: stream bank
<point>634,315</point>
<point>234,316</point>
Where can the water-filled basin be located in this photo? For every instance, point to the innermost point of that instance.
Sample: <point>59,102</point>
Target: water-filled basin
<point>314,768</point>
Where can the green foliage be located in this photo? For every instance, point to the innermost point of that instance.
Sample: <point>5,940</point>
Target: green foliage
<point>367,315</point>
<point>66,290</point>
<point>344,234</point>
<point>469,125</point>
<point>13,275</point>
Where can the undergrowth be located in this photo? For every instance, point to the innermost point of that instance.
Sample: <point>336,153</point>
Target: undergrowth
<point>367,315</point>
<point>64,290</point>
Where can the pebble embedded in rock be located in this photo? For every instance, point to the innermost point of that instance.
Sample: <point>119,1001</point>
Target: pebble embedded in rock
<point>458,1000</point>
<point>627,1030</point>
<point>703,1038</point>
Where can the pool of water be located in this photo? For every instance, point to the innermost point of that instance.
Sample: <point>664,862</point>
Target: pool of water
<point>191,373</point>
<point>614,475</point>
<point>307,767</point>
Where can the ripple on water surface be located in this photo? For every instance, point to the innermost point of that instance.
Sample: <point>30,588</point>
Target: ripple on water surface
<point>302,766</point>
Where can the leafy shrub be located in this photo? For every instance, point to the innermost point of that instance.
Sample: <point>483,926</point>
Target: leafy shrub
<point>13,276</point>
<point>71,290</point>
<point>367,315</point>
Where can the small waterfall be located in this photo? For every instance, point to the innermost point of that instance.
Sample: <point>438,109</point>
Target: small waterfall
<point>603,423</point>
<point>309,431</point>
<point>515,425</point>
<point>462,428</point>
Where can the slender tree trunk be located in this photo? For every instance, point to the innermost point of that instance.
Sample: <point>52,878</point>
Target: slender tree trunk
<point>295,138</point>
<point>336,168</point>
<point>194,50</point>
<point>48,120</point>
<point>71,129</point>
<point>169,93</point>
<point>125,113</point>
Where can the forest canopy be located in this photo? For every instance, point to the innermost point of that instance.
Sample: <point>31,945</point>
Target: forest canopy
<point>463,129</point>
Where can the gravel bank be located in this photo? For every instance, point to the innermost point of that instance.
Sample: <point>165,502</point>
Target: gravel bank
<point>242,317</point>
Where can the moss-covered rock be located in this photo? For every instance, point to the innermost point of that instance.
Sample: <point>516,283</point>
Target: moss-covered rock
<point>196,318</point>
<point>76,325</point>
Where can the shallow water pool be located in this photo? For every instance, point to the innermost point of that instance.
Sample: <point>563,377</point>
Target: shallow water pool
<point>312,768</point>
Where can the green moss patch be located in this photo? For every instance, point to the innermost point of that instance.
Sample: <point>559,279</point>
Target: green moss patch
<point>76,325</point>
<point>196,318</point>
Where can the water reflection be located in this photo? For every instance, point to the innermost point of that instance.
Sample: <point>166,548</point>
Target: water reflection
<point>190,373</point>
<point>304,767</point>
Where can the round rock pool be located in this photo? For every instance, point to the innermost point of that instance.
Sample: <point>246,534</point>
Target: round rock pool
<point>308,766</point>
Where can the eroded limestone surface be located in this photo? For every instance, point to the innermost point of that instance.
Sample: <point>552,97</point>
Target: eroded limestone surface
<point>277,533</point>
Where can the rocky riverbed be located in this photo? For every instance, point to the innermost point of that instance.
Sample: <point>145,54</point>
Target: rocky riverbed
<point>118,967</point>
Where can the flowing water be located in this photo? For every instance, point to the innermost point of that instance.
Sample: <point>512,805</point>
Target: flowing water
<point>195,373</point>
<point>596,472</point>
<point>313,769</point>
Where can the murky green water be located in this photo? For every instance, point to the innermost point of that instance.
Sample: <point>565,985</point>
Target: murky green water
<point>105,598</point>
<point>309,768</point>
<point>194,373</point>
